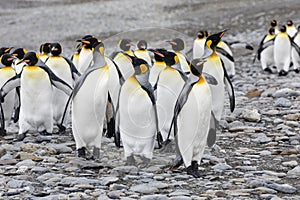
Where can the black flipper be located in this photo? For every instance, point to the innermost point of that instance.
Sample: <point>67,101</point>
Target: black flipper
<point>2,122</point>
<point>212,134</point>
<point>229,87</point>
<point>225,53</point>
<point>65,110</point>
<point>295,46</point>
<point>111,123</point>
<point>210,79</point>
<point>181,100</point>
<point>17,109</point>
<point>262,47</point>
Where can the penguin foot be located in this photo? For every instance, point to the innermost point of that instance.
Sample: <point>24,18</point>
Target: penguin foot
<point>96,153</point>
<point>130,161</point>
<point>44,132</point>
<point>282,73</point>
<point>2,132</point>
<point>177,162</point>
<point>61,129</point>
<point>145,162</point>
<point>193,170</point>
<point>297,70</point>
<point>268,70</point>
<point>81,152</point>
<point>21,136</point>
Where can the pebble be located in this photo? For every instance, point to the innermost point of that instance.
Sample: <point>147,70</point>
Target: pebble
<point>154,197</point>
<point>285,188</point>
<point>221,167</point>
<point>251,115</point>
<point>294,172</point>
<point>282,102</point>
<point>144,189</point>
<point>292,163</point>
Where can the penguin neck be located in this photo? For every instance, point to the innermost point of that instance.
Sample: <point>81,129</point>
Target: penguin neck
<point>143,79</point>
<point>177,66</point>
<point>99,60</point>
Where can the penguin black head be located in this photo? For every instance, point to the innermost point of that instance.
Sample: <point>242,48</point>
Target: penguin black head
<point>125,44</point>
<point>170,58</point>
<point>140,65</point>
<point>30,58</point>
<point>283,29</point>
<point>177,44</point>
<point>272,31</point>
<point>205,33</point>
<point>273,23</point>
<point>142,45</point>
<point>99,46</point>
<point>201,34</point>
<point>56,49</point>
<point>7,59</point>
<point>45,48</point>
<point>19,53</point>
<point>88,41</point>
<point>299,28</point>
<point>211,43</point>
<point>4,50</point>
<point>197,66</point>
<point>290,23</point>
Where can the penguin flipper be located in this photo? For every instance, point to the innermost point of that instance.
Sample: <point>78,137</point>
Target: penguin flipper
<point>263,47</point>
<point>75,73</point>
<point>17,106</point>
<point>210,79</point>
<point>225,53</point>
<point>229,87</point>
<point>212,134</point>
<point>9,85</point>
<point>296,47</point>
<point>121,78</point>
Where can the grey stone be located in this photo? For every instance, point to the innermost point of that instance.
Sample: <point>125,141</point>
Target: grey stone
<point>125,170</point>
<point>70,181</point>
<point>261,138</point>
<point>285,188</point>
<point>12,192</point>
<point>144,189</point>
<point>285,92</point>
<point>115,186</point>
<point>17,183</point>
<point>292,163</point>
<point>294,172</point>
<point>40,170</point>
<point>221,167</point>
<point>154,197</point>
<point>158,184</point>
<point>247,168</point>
<point>282,102</point>
<point>251,115</point>
<point>108,180</point>
<point>60,148</point>
<point>27,163</point>
<point>180,198</point>
<point>180,193</point>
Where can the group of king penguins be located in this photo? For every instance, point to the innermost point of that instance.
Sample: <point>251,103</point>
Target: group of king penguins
<point>143,97</point>
<point>279,49</point>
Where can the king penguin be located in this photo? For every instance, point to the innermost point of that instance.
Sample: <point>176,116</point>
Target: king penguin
<point>282,51</point>
<point>192,116</point>
<point>295,51</point>
<point>44,51</point>
<point>178,45</point>
<point>273,24</point>
<point>291,30</point>
<point>7,107</point>
<point>88,114</point>
<point>198,45</point>
<point>63,68</point>
<point>125,66</point>
<point>169,84</point>
<point>35,82</point>
<point>265,51</point>
<point>19,53</point>
<point>142,51</point>
<point>4,50</point>
<point>86,53</point>
<point>138,119</point>
<point>215,67</point>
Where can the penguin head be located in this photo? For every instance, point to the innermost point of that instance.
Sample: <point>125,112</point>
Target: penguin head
<point>140,65</point>
<point>4,50</point>
<point>205,33</point>
<point>45,48</point>
<point>283,29</point>
<point>56,49</point>
<point>272,31</point>
<point>88,41</point>
<point>290,23</point>
<point>211,43</point>
<point>159,57</point>
<point>197,66</point>
<point>200,35</point>
<point>177,44</point>
<point>7,59</point>
<point>30,58</point>
<point>19,53</point>
<point>125,44</point>
<point>273,23</point>
<point>142,45</point>
<point>98,47</point>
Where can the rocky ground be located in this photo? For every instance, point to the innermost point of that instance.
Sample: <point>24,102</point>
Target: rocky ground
<point>257,152</point>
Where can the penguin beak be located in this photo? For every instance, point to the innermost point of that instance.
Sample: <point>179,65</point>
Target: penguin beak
<point>129,44</point>
<point>54,49</point>
<point>8,49</point>
<point>171,42</point>
<point>156,52</point>
<point>222,33</point>
<point>15,54</point>
<point>10,59</point>
<point>201,62</point>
